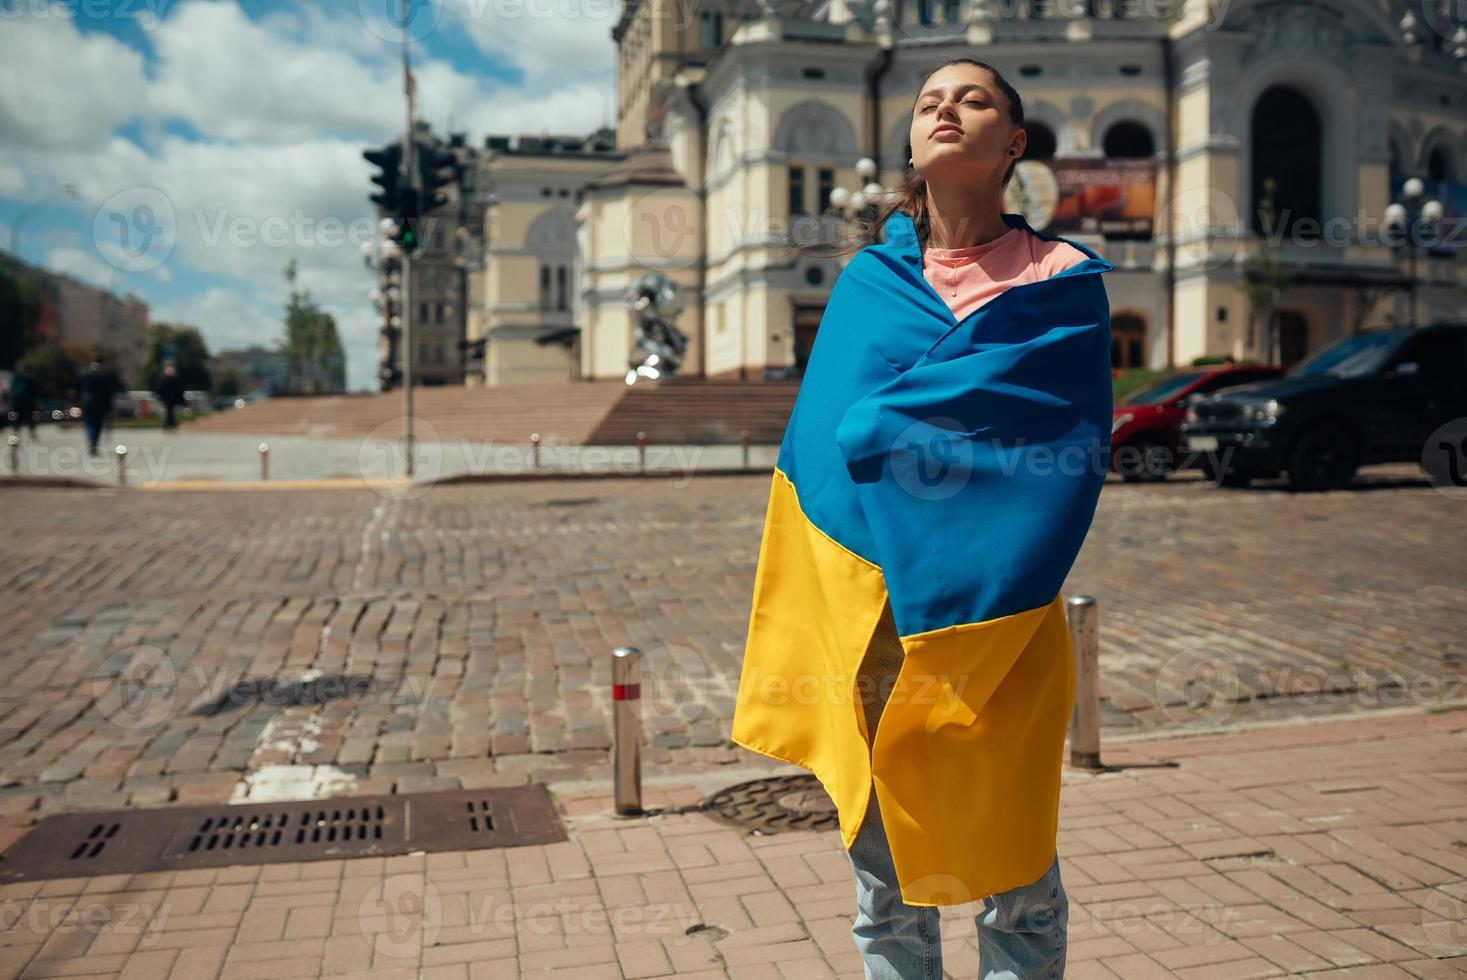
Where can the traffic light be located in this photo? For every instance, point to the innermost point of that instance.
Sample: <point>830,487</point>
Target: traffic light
<point>439,168</point>
<point>405,203</point>
<point>408,214</point>
<point>389,158</point>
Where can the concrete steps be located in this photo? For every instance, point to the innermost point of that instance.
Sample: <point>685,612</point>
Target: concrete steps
<point>571,413</point>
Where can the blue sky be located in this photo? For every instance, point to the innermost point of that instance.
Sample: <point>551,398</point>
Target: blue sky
<point>186,150</point>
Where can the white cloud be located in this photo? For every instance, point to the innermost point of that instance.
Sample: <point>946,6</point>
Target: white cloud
<point>564,108</point>
<point>225,317</point>
<point>84,265</point>
<point>63,89</point>
<point>548,40</point>
<point>230,77</point>
<point>283,106</point>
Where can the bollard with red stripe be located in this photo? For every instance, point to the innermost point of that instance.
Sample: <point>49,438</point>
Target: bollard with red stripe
<point>626,729</point>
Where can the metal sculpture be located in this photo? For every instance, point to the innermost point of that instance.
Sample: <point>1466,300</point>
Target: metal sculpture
<point>660,346</point>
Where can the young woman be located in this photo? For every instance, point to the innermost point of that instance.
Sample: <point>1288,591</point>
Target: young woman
<point>940,469</point>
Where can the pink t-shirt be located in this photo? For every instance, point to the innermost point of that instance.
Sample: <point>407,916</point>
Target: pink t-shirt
<point>966,278</point>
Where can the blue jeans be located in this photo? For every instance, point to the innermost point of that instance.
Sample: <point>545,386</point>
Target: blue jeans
<point>1021,932</point>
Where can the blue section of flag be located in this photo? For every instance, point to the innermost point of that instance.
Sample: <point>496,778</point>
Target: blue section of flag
<point>964,458</point>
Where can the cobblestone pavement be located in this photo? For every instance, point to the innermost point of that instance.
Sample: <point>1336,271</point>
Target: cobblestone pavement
<point>183,646</point>
<point>1331,851</point>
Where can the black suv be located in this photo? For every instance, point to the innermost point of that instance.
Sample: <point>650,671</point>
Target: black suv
<point>1374,397</point>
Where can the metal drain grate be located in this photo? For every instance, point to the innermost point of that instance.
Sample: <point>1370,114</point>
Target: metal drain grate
<point>481,817</point>
<point>775,805</point>
<point>320,826</point>
<point>95,840</point>
<point>73,845</point>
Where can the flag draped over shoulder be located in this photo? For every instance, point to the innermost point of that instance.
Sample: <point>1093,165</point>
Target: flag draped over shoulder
<point>953,469</point>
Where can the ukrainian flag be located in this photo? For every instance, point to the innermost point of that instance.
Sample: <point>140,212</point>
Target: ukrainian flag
<point>951,468</point>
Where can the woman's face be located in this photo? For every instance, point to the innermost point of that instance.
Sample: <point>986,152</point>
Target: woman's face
<point>961,130</point>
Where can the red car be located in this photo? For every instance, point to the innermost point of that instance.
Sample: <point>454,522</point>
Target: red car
<point>1143,429</point>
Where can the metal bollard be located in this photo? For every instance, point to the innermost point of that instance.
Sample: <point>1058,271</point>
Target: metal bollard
<point>14,442</point>
<point>642,451</point>
<point>744,441</point>
<point>534,450</point>
<point>626,729</point>
<point>264,461</point>
<point>121,465</point>
<point>1084,619</point>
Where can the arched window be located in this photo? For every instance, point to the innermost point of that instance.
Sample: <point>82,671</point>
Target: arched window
<point>710,29</point>
<point>1041,142</point>
<point>1439,165</point>
<point>1129,140</point>
<point>1288,149</point>
<point>551,239</point>
<point>826,184</point>
<point>1127,341</point>
<point>797,190</point>
<point>815,132</point>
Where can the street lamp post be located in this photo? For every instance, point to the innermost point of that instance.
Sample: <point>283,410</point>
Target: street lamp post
<point>383,255</point>
<point>1413,32</point>
<point>855,204</point>
<point>1411,216</point>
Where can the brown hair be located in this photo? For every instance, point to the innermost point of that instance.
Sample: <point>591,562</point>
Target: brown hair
<point>912,199</point>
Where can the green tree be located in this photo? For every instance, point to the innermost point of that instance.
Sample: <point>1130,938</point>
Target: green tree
<point>226,383</point>
<point>20,308</point>
<point>190,356</point>
<point>311,340</point>
<point>1264,278</point>
<point>54,366</point>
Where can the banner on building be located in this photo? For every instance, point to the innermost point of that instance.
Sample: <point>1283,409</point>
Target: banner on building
<point>1115,198</point>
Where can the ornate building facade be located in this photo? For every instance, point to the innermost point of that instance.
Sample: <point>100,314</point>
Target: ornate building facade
<point>1204,126</point>
<point>525,328</point>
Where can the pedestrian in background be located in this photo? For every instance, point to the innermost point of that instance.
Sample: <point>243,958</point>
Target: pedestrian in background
<point>22,402</point>
<point>169,390</point>
<point>95,389</point>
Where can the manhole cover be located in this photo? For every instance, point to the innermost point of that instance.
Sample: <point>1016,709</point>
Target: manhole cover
<point>72,845</point>
<point>775,805</point>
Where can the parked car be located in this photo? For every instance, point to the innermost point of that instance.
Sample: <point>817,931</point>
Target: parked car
<point>1145,422</point>
<point>1374,397</point>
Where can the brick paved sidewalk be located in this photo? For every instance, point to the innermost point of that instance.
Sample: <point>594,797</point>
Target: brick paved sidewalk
<point>1328,850</point>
